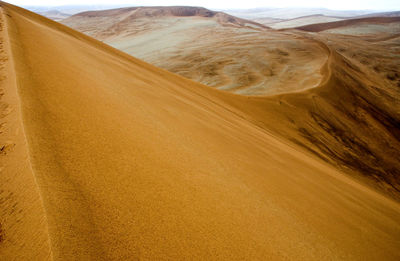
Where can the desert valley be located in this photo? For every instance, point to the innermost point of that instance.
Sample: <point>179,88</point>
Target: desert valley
<point>184,133</point>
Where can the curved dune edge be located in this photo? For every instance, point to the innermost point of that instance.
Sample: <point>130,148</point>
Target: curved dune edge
<point>331,120</point>
<point>239,60</point>
<point>135,162</point>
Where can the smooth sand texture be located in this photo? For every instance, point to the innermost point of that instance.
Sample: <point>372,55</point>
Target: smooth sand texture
<point>330,121</point>
<point>23,225</point>
<point>133,162</point>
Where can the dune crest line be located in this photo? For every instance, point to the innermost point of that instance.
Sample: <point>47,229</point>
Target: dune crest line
<point>19,190</point>
<point>134,162</point>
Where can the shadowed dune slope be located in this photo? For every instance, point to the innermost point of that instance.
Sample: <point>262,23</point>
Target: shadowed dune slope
<point>133,162</point>
<point>352,120</point>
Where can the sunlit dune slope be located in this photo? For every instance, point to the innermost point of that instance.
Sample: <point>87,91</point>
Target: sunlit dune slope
<point>238,56</point>
<point>126,161</point>
<point>363,89</point>
<point>23,226</point>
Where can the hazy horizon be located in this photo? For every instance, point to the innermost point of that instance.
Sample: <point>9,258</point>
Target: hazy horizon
<point>388,5</point>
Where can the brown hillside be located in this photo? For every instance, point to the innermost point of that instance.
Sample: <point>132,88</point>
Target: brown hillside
<point>244,59</point>
<point>132,13</point>
<point>349,22</point>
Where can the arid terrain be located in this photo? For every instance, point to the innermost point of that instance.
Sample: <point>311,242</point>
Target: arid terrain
<point>269,145</point>
<point>300,21</point>
<point>293,12</point>
<point>361,26</point>
<point>262,61</point>
<point>207,47</point>
<point>55,15</point>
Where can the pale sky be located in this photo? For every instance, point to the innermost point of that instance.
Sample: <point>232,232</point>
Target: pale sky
<point>230,4</point>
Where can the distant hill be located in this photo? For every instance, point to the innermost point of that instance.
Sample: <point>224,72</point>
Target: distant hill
<point>291,13</point>
<point>71,9</point>
<point>349,23</point>
<point>55,15</point>
<point>304,20</point>
<point>124,14</point>
<point>382,14</point>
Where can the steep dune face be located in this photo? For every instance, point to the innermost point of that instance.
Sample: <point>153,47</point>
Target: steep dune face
<point>361,94</point>
<point>241,57</point>
<point>351,120</point>
<point>133,162</point>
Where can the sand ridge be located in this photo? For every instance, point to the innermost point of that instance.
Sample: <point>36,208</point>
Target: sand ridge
<point>23,223</point>
<point>134,162</point>
<point>291,63</point>
<point>237,56</point>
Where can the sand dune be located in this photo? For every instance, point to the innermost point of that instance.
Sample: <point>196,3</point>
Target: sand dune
<point>123,17</point>
<point>208,51</point>
<point>382,14</point>
<point>303,21</point>
<point>54,15</point>
<point>275,62</point>
<point>370,25</point>
<point>331,120</point>
<point>293,12</point>
<point>115,159</point>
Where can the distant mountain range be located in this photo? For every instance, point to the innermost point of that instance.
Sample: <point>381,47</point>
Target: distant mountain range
<point>257,14</point>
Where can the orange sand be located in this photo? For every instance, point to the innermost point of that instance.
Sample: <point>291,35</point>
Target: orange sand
<point>115,159</point>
